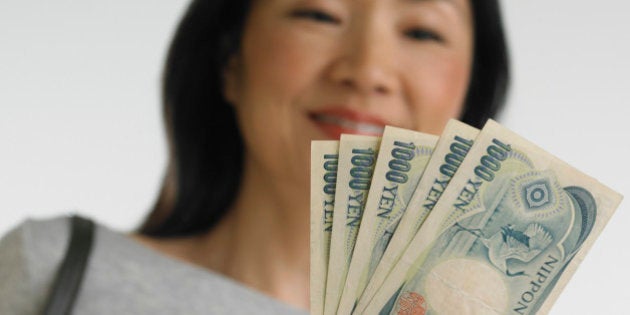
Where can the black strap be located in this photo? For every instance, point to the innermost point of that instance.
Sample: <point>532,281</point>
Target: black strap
<point>68,281</point>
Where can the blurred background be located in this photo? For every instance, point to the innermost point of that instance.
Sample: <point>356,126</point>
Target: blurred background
<point>81,129</point>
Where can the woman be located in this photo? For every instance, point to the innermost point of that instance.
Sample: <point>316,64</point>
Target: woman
<point>247,86</point>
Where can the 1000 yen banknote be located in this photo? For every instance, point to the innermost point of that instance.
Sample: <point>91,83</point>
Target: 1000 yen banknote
<point>357,158</point>
<point>504,238</point>
<point>324,165</point>
<point>403,156</point>
<point>451,149</point>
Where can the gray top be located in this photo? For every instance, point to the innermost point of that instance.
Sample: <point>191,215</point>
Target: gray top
<point>123,277</point>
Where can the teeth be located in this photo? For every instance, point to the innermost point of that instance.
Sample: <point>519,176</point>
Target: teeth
<point>361,127</point>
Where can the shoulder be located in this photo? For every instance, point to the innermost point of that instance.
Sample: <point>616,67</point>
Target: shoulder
<point>29,257</point>
<point>144,280</point>
<point>123,276</point>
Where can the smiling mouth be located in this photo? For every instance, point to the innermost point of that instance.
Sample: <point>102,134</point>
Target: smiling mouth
<point>359,126</point>
<point>335,125</point>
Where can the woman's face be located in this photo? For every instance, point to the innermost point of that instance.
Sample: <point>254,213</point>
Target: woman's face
<point>313,69</point>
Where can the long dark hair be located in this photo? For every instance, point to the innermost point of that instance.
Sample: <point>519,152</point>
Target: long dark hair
<point>205,145</point>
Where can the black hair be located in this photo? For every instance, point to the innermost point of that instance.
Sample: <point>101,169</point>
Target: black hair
<point>205,145</point>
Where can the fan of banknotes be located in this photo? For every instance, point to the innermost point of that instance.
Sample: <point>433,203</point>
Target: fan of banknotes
<point>471,222</point>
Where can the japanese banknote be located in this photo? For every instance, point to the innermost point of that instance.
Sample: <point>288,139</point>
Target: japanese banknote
<point>472,222</point>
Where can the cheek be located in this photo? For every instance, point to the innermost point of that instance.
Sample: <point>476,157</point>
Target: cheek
<point>438,91</point>
<point>278,66</point>
<point>450,81</point>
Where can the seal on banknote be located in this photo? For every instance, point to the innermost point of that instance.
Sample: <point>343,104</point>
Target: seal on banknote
<point>412,303</point>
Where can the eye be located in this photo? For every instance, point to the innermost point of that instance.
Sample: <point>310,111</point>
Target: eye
<point>315,15</point>
<point>421,34</point>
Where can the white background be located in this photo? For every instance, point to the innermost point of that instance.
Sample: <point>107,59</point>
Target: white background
<point>80,121</point>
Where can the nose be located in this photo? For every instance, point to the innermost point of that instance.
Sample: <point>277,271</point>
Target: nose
<point>366,63</point>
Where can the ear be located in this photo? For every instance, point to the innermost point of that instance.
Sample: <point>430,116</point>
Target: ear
<point>231,80</point>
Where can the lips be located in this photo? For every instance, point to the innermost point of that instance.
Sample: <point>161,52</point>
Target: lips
<point>334,122</point>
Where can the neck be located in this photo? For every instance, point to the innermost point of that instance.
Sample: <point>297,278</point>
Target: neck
<point>263,241</point>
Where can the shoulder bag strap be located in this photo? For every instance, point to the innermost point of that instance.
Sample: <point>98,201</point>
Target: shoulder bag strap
<point>68,280</point>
